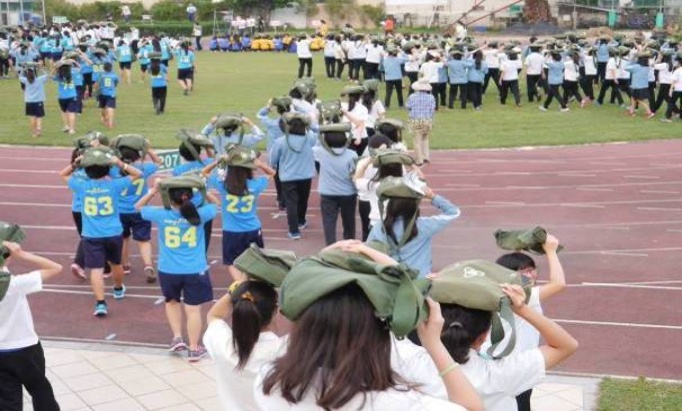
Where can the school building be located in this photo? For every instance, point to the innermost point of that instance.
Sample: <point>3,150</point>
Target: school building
<point>14,12</point>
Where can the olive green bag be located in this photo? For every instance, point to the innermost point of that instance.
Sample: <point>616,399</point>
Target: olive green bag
<point>190,138</point>
<point>13,233</point>
<point>269,266</point>
<point>135,142</point>
<point>193,181</point>
<point>231,120</point>
<point>476,284</point>
<point>330,111</point>
<point>395,187</point>
<point>395,292</point>
<point>528,240</point>
<point>333,128</point>
<point>287,119</point>
<point>391,156</point>
<point>97,156</point>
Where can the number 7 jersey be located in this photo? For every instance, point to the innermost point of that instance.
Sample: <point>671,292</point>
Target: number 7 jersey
<point>182,248</point>
<point>99,207</point>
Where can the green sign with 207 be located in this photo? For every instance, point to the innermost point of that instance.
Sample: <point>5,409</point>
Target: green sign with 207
<point>171,158</point>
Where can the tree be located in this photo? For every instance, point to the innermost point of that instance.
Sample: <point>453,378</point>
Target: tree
<point>536,11</point>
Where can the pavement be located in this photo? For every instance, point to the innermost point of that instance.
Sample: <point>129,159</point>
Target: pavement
<point>109,377</point>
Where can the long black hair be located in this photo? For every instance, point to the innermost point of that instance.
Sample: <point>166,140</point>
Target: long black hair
<point>478,58</point>
<point>254,304</point>
<point>353,99</point>
<point>155,67</point>
<point>368,99</point>
<point>236,179</point>
<point>401,208</point>
<point>182,197</point>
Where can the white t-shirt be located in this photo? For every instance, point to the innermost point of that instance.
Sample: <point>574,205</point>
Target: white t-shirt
<point>374,53</point>
<point>677,79</point>
<point>377,111</point>
<point>571,72</point>
<point>492,58</point>
<point>590,66</point>
<point>498,382</point>
<point>303,49</point>
<point>303,106</point>
<point>392,399</point>
<point>235,388</point>
<point>622,73</point>
<point>534,62</point>
<point>429,70</point>
<point>664,75</point>
<point>360,113</point>
<point>415,365</point>
<point>413,62</point>
<point>363,184</point>
<point>611,69</point>
<point>16,321</point>
<point>510,70</point>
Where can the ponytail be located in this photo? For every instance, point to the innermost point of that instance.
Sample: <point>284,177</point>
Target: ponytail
<point>183,198</point>
<point>463,326</point>
<point>253,306</point>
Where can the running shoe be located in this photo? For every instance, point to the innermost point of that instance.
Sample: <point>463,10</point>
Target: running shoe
<point>196,355</point>
<point>150,274</point>
<point>565,109</point>
<point>78,271</point>
<point>542,108</point>
<point>177,345</point>
<point>120,294</point>
<point>294,236</point>
<point>651,115</point>
<point>303,226</point>
<point>101,310</point>
<point>666,120</point>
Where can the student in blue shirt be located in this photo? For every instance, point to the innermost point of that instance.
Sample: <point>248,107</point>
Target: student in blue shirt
<point>457,73</point>
<point>108,81</point>
<point>182,265</point>
<point>272,133</point>
<point>159,83</point>
<point>229,135</point>
<point>475,78</point>
<point>338,194</point>
<point>639,84</point>
<point>56,50</point>
<point>67,41</point>
<point>602,58</point>
<point>67,96</point>
<point>416,251</point>
<point>125,60</point>
<point>34,98</point>
<point>393,76</point>
<point>46,48</point>
<point>101,236</point>
<point>186,68</point>
<point>131,220</point>
<point>555,78</point>
<point>292,156</point>
<point>239,192</point>
<point>143,57</point>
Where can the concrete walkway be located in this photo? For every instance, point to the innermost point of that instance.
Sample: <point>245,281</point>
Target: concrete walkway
<point>106,377</point>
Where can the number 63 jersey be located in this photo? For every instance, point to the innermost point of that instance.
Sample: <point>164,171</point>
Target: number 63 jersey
<point>182,247</point>
<point>100,204</point>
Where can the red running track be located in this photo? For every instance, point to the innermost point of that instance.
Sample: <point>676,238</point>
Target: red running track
<point>616,207</point>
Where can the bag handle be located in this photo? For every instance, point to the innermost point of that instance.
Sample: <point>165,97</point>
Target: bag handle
<point>497,330</point>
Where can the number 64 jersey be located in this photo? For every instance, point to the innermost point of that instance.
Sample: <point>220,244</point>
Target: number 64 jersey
<point>182,247</point>
<point>100,204</point>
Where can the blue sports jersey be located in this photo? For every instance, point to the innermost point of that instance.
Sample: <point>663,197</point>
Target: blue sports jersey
<point>185,59</point>
<point>183,168</point>
<point>85,67</point>
<point>182,248</point>
<point>143,54</point>
<point>77,76</point>
<point>125,53</point>
<point>240,213</point>
<point>160,79</point>
<point>65,90</point>
<point>107,83</point>
<point>100,204</point>
<point>138,188</point>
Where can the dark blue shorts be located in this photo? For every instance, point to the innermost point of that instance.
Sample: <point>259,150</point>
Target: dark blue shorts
<point>236,243</point>
<point>56,56</point>
<point>144,67</point>
<point>45,55</point>
<point>35,109</point>
<point>107,102</point>
<point>185,74</point>
<point>98,251</point>
<point>192,289</point>
<point>140,229</point>
<point>124,65</point>
<point>69,105</point>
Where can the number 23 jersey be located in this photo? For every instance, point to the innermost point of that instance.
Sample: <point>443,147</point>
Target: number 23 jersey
<point>99,207</point>
<point>240,213</point>
<point>182,247</point>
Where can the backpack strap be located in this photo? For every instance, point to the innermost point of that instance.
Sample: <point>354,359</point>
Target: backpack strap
<point>497,330</point>
<point>5,278</point>
<point>409,307</point>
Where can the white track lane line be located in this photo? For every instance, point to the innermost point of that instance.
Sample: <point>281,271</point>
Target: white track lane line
<point>617,324</point>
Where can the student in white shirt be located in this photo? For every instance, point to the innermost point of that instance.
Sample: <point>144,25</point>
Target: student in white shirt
<point>22,360</point>
<point>534,62</point>
<point>571,76</point>
<point>492,60</point>
<point>355,113</point>
<point>509,78</point>
<point>329,56</point>
<point>375,108</point>
<point>339,357</point>
<point>527,337</point>
<point>414,60</point>
<point>375,52</point>
<point>305,57</point>
<point>498,382</point>
<point>664,66</point>
<point>240,350</point>
<point>610,80</point>
<point>675,93</point>
<point>429,71</point>
<point>588,73</point>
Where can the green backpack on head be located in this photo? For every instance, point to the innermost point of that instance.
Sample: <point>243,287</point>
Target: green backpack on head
<point>269,266</point>
<point>333,128</point>
<point>476,284</point>
<point>528,240</point>
<point>394,291</point>
<point>135,142</point>
<point>97,156</point>
<point>190,139</point>
<point>13,233</point>
<point>391,156</point>
<point>330,111</point>
<point>190,180</point>
<point>239,156</point>
<point>396,187</point>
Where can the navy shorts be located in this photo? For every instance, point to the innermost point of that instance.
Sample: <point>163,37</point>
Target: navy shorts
<point>192,289</point>
<point>144,67</point>
<point>236,243</point>
<point>185,74</point>
<point>98,251</point>
<point>140,229</point>
<point>56,56</point>
<point>35,109</point>
<point>107,102</point>
<point>69,105</point>
<point>640,93</point>
<point>124,65</point>
<point>45,55</point>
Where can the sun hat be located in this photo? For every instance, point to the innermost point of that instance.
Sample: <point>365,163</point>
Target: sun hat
<point>421,85</point>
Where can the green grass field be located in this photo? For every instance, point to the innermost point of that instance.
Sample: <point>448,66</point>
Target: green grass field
<point>636,395</point>
<point>244,82</point>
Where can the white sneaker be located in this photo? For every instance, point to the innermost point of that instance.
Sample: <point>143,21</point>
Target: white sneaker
<point>565,109</point>
<point>542,108</point>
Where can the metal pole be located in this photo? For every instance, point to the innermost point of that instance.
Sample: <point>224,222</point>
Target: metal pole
<point>44,15</point>
<point>21,12</point>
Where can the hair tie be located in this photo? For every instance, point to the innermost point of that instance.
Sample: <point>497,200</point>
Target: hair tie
<point>247,296</point>
<point>455,324</point>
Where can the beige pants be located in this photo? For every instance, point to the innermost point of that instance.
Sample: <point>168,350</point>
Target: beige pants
<point>421,131</point>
